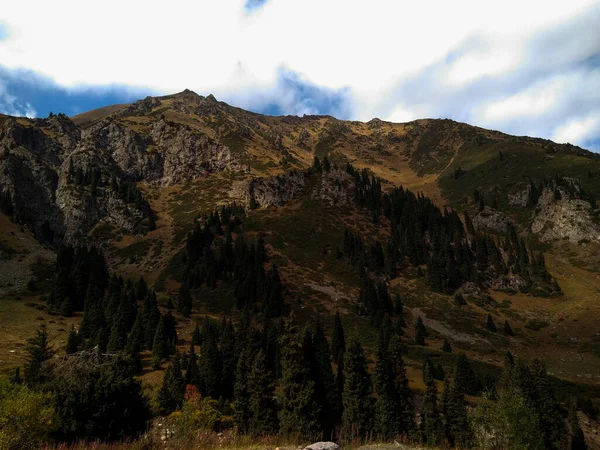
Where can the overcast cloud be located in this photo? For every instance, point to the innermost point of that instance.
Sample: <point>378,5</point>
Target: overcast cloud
<point>524,67</point>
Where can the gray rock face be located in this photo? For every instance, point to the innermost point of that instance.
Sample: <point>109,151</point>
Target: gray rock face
<point>335,188</point>
<point>323,446</point>
<point>275,191</point>
<point>561,214</point>
<point>491,220</point>
<point>36,156</point>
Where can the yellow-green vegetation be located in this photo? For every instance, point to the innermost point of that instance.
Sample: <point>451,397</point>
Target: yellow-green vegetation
<point>27,417</point>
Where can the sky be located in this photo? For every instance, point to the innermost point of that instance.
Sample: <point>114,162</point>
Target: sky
<point>523,67</point>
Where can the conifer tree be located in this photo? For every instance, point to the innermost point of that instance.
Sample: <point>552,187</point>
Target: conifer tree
<point>545,403</point>
<point>228,358</point>
<point>135,341</point>
<point>184,300</point>
<point>446,347</point>
<point>457,423</point>
<point>406,413</point>
<point>299,413</point>
<point>318,358</point>
<point>152,318</point>
<point>197,336</point>
<point>357,417</point>
<point>338,340</point>
<point>73,341</point>
<point>118,332</point>
<point>465,377</point>
<point>576,437</point>
<point>507,329</point>
<point>160,347</point>
<point>241,404</point>
<point>490,325</point>
<point>263,413</point>
<point>399,309</point>
<point>431,425</point>
<point>192,371</point>
<point>420,332</point>
<point>38,350</point>
<point>210,367</point>
<point>170,395</point>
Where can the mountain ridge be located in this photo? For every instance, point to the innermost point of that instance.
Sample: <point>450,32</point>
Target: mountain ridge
<point>133,179</point>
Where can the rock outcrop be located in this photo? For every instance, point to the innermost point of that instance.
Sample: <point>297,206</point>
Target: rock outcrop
<point>563,212</point>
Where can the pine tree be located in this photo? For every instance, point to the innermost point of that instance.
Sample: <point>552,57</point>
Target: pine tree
<point>263,413</point>
<point>507,329</point>
<point>576,437</point>
<point>420,332</point>
<point>152,319</point>
<point>399,309</point>
<point>465,377</point>
<point>210,367</point>
<point>241,404</point>
<point>457,423</point>
<point>446,347</point>
<point>356,397</point>
<point>135,341</point>
<point>192,371</point>
<point>38,350</point>
<point>318,358</point>
<point>299,413</point>
<point>546,405</point>
<point>160,347</point>
<point>338,340</point>
<point>184,300</point>
<point>406,413</point>
<point>170,395</point>
<point>431,425</point>
<point>73,341</point>
<point>490,325</point>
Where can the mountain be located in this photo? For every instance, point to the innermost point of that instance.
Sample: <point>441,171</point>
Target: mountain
<point>135,179</point>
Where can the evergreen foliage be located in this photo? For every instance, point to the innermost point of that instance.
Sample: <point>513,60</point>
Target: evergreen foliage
<point>299,412</point>
<point>170,395</point>
<point>356,397</point>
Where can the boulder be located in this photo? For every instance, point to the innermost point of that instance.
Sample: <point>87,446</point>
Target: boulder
<point>323,446</point>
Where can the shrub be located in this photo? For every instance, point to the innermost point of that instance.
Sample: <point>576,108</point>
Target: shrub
<point>27,418</point>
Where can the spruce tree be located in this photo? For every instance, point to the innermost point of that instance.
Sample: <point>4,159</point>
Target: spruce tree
<point>490,325</point>
<point>262,409</point>
<point>73,341</point>
<point>318,358</point>
<point>299,413</point>
<point>446,347</point>
<point>507,329</point>
<point>431,425</point>
<point>152,318</point>
<point>38,351</point>
<point>241,395</point>
<point>576,437</point>
<point>420,332</point>
<point>406,413</point>
<point>551,422</point>
<point>170,395</point>
<point>357,401</point>
<point>210,367</point>
<point>160,347</point>
<point>135,341</point>
<point>338,340</point>
<point>457,423</point>
<point>184,300</point>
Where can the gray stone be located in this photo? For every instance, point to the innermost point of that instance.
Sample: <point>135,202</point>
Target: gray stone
<point>323,446</point>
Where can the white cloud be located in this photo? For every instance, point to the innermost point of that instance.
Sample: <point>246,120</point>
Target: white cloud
<point>9,104</point>
<point>448,52</point>
<point>578,130</point>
